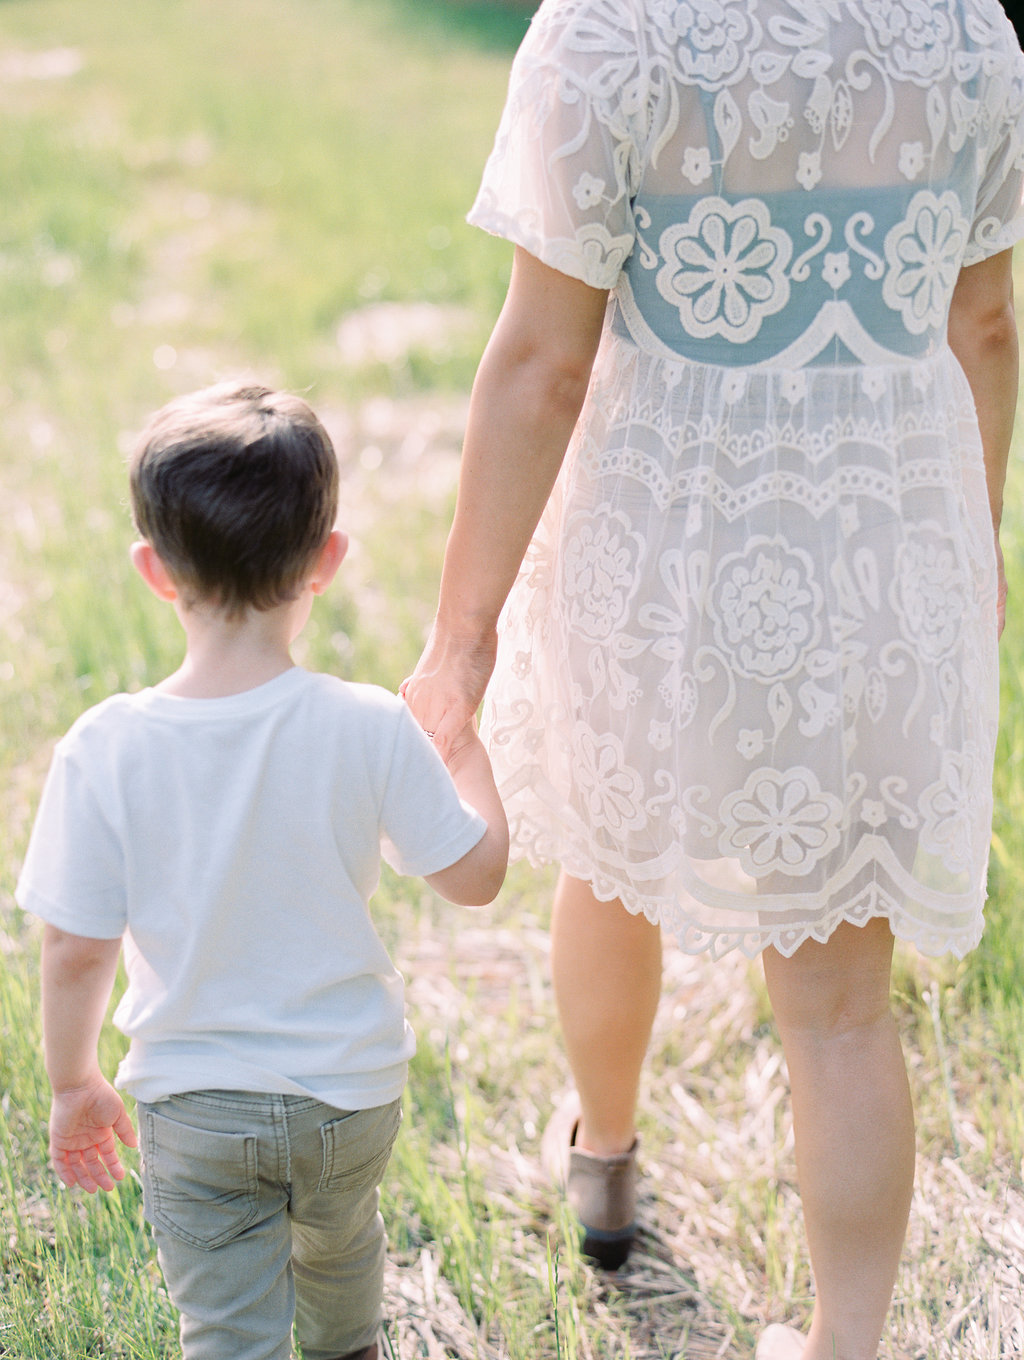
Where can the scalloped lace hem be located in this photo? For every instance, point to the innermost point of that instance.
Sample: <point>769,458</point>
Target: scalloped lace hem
<point>696,936</point>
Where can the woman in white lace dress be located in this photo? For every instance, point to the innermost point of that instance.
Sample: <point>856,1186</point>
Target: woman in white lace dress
<point>746,679</point>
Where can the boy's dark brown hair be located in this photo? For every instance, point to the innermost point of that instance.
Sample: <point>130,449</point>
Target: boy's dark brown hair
<point>236,487</point>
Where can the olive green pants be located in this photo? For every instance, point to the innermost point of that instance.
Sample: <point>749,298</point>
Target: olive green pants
<point>265,1213</point>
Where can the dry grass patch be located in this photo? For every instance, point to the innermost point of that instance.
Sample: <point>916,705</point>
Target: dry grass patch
<point>721,1250</point>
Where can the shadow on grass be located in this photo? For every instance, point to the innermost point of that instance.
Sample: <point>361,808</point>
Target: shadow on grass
<point>492,25</point>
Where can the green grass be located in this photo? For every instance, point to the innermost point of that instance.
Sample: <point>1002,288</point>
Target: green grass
<point>211,191</point>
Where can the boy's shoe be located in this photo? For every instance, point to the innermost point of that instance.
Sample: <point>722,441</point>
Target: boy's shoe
<point>779,1342</point>
<point>376,1350</point>
<point>601,1190</point>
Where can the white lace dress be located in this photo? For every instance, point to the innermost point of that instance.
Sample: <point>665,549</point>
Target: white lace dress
<point>747,677</point>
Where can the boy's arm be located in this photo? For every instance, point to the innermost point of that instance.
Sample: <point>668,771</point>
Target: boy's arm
<point>87,1115</point>
<point>476,878</point>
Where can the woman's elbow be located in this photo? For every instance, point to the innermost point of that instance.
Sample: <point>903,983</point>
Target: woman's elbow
<point>983,332</point>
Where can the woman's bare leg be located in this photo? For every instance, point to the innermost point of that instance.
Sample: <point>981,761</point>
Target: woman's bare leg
<point>606,966</point>
<point>854,1129</point>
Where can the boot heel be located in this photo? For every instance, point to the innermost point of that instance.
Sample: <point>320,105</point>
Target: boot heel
<point>601,1190</point>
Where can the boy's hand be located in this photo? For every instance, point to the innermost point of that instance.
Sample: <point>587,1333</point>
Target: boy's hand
<point>464,747</point>
<point>85,1124</point>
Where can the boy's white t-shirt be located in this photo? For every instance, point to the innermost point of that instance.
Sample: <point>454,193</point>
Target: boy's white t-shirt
<point>236,842</point>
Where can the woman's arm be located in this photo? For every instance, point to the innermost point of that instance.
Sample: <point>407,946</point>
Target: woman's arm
<point>526,398</point>
<point>983,336</point>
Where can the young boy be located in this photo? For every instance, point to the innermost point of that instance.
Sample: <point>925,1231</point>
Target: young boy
<point>228,826</point>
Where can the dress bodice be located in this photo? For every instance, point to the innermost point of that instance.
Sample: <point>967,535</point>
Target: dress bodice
<point>765,181</point>
<point>792,278</point>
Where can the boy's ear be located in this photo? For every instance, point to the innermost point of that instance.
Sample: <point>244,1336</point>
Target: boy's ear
<point>331,557</point>
<point>150,566</point>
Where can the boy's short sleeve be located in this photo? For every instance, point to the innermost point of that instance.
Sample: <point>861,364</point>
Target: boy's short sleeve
<point>425,825</point>
<point>566,160</point>
<point>73,875</point>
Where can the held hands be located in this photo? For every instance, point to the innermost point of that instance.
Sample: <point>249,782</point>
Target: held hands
<point>85,1124</point>
<point>447,686</point>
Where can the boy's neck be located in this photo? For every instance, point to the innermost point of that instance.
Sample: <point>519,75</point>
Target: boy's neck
<point>225,656</point>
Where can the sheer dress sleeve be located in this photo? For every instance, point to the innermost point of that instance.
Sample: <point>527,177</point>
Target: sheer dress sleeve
<point>567,158</point>
<point>999,211</point>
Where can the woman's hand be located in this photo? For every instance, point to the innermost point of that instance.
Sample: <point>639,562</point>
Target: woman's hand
<point>447,686</point>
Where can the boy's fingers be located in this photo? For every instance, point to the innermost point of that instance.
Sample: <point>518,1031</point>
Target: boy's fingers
<point>90,1169</point>
<point>451,728</point>
<point>96,1167</point>
<point>125,1130</point>
<point>447,730</point>
<point>76,1174</point>
<point>441,725</point>
<point>64,1173</point>
<point>113,1171</point>
<point>442,739</point>
<point>106,1160</point>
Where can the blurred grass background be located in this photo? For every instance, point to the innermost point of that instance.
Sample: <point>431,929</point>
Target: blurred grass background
<point>193,189</point>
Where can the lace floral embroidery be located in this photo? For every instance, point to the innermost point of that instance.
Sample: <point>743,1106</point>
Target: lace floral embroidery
<point>924,254</point>
<point>780,821</point>
<point>765,608</point>
<point>930,593</point>
<point>601,561</point>
<point>725,269</point>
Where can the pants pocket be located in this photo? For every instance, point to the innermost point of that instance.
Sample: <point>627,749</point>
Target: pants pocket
<point>356,1147</point>
<point>199,1185</point>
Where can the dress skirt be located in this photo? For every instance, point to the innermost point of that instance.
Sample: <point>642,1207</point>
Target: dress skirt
<point>747,677</point>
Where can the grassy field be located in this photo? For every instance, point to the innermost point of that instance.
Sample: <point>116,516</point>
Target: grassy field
<point>277,187</point>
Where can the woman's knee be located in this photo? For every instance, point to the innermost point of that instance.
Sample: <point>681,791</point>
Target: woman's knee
<point>835,987</point>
